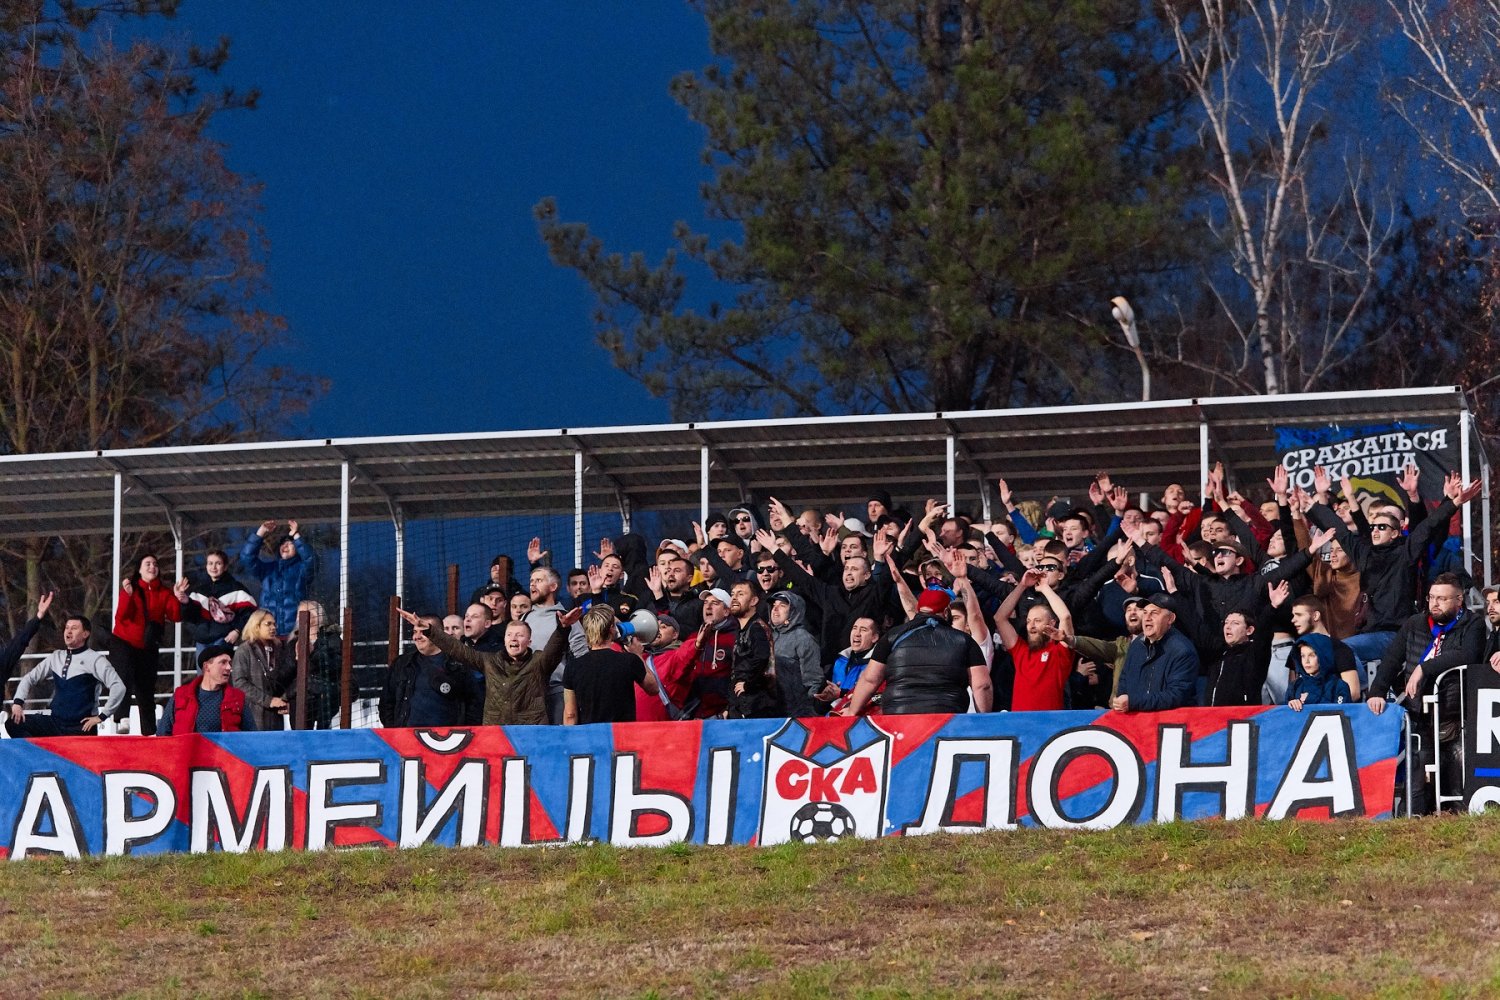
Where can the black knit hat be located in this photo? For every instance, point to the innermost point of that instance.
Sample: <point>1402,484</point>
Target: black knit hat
<point>217,649</point>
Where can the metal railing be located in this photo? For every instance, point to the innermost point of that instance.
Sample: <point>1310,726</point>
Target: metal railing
<point>1433,702</point>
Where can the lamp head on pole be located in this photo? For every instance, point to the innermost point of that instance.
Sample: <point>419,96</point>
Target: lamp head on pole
<point>1125,316</point>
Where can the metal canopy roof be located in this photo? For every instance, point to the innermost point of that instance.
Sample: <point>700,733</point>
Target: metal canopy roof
<point>823,461</point>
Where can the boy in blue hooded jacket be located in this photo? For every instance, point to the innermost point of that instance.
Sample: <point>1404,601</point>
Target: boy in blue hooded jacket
<point>1317,682</point>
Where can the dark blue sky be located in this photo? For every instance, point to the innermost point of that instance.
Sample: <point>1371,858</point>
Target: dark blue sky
<point>402,146</point>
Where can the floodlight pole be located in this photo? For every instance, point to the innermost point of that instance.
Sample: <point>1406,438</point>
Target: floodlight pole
<point>1125,316</point>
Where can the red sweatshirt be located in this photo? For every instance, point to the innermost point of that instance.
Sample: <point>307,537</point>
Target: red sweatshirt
<point>147,602</point>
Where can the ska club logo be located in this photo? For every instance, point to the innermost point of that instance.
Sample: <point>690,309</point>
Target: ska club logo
<point>825,780</point>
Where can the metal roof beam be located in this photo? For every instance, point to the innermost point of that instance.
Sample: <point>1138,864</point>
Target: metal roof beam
<point>371,481</point>
<point>175,518</point>
<point>724,465</point>
<point>622,496</point>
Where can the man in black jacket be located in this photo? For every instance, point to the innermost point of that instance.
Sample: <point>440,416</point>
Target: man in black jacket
<point>1446,635</point>
<point>424,688</point>
<point>1492,615</point>
<point>1428,643</point>
<point>858,595</point>
<point>926,665</point>
<point>1387,562</point>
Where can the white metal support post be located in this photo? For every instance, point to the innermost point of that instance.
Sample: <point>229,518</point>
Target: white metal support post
<point>577,509</point>
<point>177,628</point>
<point>343,539</point>
<point>1465,461</point>
<point>1484,514</point>
<point>703,484</point>
<point>398,522</point>
<point>952,462</point>
<point>115,582</point>
<point>1203,465</point>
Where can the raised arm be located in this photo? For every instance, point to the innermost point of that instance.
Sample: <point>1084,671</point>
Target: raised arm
<point>973,613</point>
<point>903,589</point>
<point>453,648</point>
<point>1064,616</point>
<point>1025,531</point>
<point>545,660</point>
<point>16,648</point>
<point>1003,627</point>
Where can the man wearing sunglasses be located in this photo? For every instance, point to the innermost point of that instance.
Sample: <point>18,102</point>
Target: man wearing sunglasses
<point>1387,561</point>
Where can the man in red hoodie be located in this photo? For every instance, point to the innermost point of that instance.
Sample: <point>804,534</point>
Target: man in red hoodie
<point>715,654</point>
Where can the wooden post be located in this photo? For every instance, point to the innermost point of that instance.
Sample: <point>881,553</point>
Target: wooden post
<point>393,632</point>
<point>346,681</point>
<point>304,644</point>
<point>453,589</point>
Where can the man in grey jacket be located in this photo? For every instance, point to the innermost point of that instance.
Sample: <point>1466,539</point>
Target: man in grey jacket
<point>799,665</point>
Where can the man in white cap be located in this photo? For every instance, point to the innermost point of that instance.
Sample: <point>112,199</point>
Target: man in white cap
<point>715,656</point>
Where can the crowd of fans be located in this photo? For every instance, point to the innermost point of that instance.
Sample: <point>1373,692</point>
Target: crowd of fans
<point>1302,599</point>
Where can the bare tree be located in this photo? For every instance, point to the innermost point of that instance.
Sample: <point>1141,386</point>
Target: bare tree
<point>1303,230</point>
<point>1449,100</point>
<point>131,273</point>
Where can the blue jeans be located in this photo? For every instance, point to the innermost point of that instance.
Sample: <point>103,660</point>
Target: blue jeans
<point>1369,646</point>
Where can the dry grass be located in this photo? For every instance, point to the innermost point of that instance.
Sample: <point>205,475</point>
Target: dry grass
<point>1397,909</point>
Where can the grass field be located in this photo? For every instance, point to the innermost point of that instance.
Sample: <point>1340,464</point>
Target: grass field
<point>1395,909</point>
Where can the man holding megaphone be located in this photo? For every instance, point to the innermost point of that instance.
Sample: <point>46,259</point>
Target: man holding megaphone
<point>599,686</point>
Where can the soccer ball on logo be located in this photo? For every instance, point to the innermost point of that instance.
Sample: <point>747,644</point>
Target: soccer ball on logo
<point>819,822</point>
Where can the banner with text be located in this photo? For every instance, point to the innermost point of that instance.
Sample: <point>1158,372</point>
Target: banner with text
<point>1372,456</point>
<point>740,782</point>
<point>1481,737</point>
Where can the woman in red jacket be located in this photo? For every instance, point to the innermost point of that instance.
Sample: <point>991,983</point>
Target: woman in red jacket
<point>146,605</point>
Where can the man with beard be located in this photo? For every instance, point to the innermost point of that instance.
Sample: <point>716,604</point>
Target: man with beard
<point>544,585</point>
<point>672,592</point>
<point>1492,615</point>
<point>1043,660</point>
<point>1161,666</point>
<point>752,672</point>
<point>1445,635</point>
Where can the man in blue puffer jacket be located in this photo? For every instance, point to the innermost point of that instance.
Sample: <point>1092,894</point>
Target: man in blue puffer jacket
<point>284,582</point>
